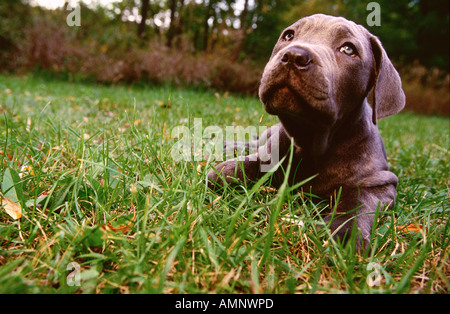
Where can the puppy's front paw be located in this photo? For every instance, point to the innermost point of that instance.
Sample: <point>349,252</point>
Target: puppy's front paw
<point>342,227</point>
<point>218,177</point>
<point>213,180</point>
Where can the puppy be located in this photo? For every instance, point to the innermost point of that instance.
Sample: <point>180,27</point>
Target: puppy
<point>317,82</point>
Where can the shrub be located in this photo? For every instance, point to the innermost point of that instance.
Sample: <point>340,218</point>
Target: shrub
<point>427,90</point>
<point>47,46</point>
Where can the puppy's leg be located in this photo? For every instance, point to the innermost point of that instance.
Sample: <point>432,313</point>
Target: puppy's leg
<point>240,148</point>
<point>241,168</point>
<point>275,143</point>
<point>357,207</point>
<point>247,148</point>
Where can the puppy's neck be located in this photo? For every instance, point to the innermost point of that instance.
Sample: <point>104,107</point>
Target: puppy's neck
<point>316,140</point>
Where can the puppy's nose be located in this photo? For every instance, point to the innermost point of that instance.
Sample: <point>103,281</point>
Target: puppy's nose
<point>296,57</point>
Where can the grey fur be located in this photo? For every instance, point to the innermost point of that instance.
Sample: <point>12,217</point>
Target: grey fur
<point>320,95</point>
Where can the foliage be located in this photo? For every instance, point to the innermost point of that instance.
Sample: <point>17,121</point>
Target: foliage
<point>14,20</point>
<point>98,188</point>
<point>222,45</point>
<point>408,28</point>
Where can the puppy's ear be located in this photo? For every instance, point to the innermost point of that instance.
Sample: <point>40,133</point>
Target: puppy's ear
<point>388,95</point>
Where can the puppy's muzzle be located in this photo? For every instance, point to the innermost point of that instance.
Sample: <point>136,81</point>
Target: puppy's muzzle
<point>297,58</point>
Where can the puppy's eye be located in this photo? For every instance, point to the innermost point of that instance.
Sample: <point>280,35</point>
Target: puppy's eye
<point>348,49</point>
<point>288,35</point>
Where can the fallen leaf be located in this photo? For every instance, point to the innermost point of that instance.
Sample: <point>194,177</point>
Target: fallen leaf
<point>12,209</point>
<point>121,228</point>
<point>26,170</point>
<point>11,185</point>
<point>10,157</point>
<point>162,104</point>
<point>410,228</point>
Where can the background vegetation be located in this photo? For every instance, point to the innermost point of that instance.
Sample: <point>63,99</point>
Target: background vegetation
<point>219,44</point>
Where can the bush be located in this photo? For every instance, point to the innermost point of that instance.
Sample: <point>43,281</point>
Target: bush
<point>48,46</point>
<point>427,90</point>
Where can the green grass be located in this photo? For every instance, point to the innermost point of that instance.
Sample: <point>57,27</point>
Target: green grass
<point>92,170</point>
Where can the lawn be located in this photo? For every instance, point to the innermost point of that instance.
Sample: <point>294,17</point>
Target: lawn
<point>106,209</point>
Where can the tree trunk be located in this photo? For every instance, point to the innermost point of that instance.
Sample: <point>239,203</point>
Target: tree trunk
<point>206,26</point>
<point>144,13</point>
<point>242,33</point>
<point>172,26</point>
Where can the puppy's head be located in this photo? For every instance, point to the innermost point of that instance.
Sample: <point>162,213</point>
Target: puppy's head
<point>322,68</point>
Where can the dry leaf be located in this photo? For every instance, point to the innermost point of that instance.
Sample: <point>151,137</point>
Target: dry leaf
<point>121,228</point>
<point>12,209</point>
<point>162,104</point>
<point>410,228</point>
<point>26,170</point>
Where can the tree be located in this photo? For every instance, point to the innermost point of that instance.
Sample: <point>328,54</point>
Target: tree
<point>176,20</point>
<point>242,32</point>
<point>208,14</point>
<point>15,17</point>
<point>433,33</point>
<point>144,14</point>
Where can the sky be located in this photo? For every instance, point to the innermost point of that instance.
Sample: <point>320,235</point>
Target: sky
<point>130,16</point>
<point>53,4</point>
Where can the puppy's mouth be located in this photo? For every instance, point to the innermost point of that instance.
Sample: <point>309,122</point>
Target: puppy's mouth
<point>282,99</point>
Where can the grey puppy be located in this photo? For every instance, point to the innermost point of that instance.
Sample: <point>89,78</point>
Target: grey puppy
<point>317,82</point>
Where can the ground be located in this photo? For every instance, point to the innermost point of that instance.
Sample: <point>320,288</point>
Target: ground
<point>106,209</point>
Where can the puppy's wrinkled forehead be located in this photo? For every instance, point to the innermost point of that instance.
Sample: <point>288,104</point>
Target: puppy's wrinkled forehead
<point>324,28</point>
